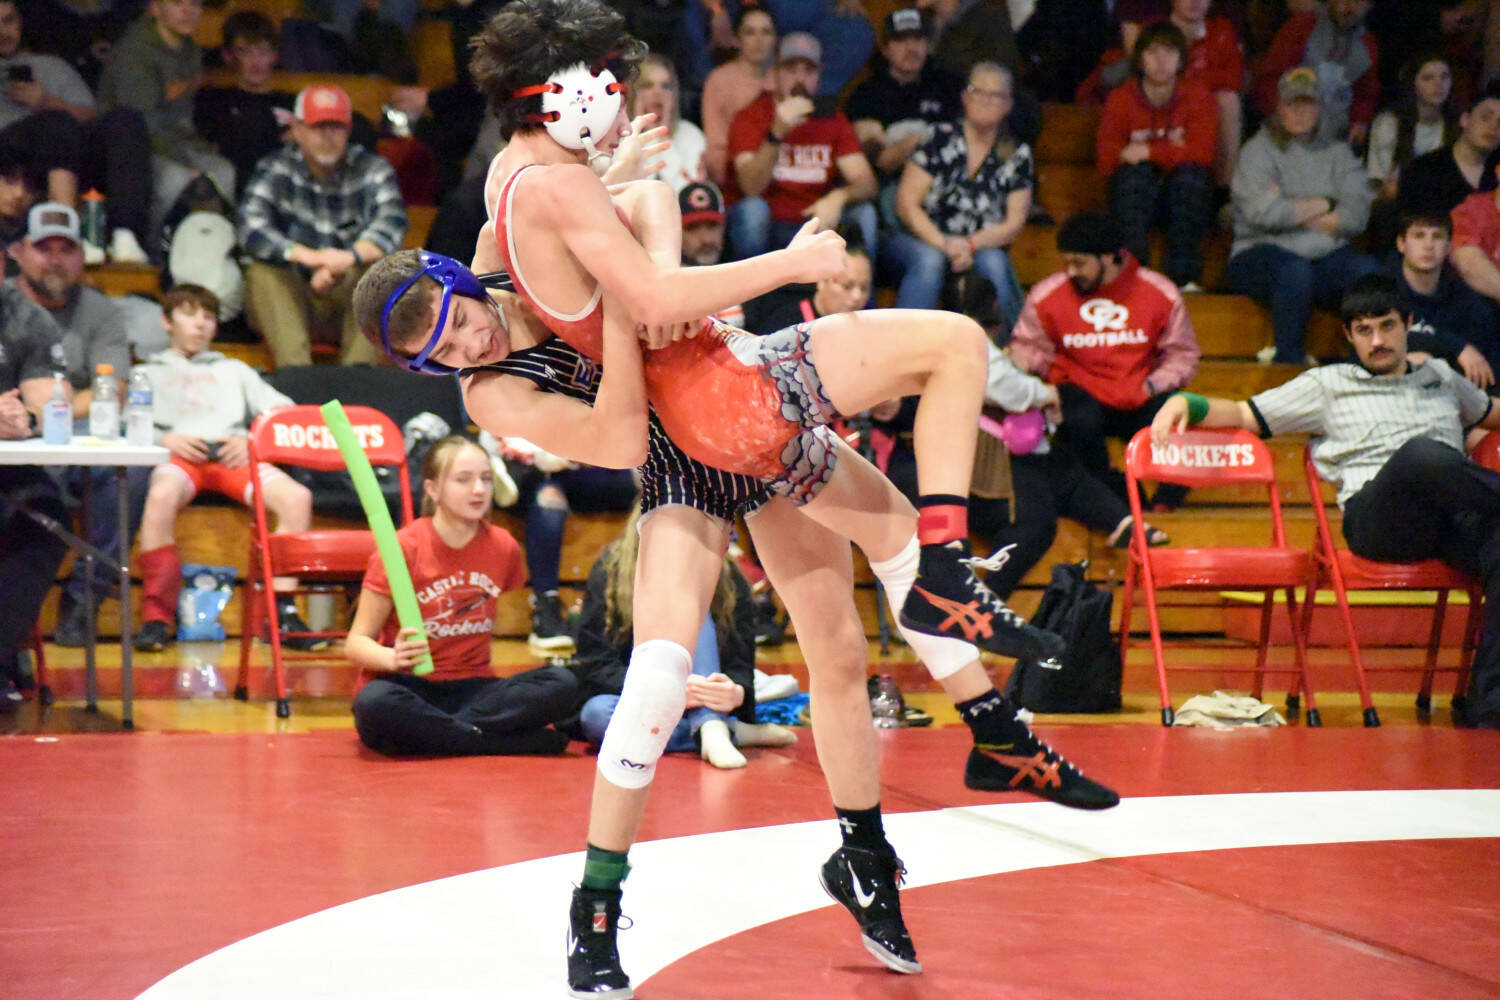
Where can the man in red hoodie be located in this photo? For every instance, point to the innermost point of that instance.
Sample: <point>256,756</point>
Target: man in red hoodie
<point>1113,336</point>
<point>1157,139</point>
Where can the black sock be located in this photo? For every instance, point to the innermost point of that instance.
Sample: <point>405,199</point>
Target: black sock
<point>862,828</point>
<point>992,719</point>
<point>604,870</point>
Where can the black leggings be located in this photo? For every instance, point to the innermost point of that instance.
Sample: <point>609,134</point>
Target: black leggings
<point>400,714</point>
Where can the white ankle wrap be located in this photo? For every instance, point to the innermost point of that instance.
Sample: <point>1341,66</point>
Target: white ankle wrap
<point>651,704</point>
<point>941,655</point>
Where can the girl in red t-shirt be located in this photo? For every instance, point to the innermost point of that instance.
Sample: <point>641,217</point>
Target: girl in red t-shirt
<point>459,563</point>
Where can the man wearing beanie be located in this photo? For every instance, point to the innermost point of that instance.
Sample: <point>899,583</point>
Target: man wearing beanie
<point>1113,336</point>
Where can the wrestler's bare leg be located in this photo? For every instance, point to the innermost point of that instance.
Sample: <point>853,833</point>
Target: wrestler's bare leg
<point>681,556</point>
<point>866,358</point>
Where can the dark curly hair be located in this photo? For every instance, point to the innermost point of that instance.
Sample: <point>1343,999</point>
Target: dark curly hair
<point>530,40</point>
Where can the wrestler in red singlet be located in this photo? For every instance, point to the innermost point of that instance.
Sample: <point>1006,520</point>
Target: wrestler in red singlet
<point>717,408</point>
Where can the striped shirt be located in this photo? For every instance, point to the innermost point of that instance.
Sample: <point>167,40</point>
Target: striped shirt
<point>1358,419</point>
<point>668,476</point>
<point>284,204</point>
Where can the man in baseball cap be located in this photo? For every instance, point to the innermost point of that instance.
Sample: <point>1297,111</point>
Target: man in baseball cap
<point>703,235</point>
<point>904,95</point>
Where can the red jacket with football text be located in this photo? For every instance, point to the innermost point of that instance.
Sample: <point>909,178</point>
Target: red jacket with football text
<point>1111,342</point>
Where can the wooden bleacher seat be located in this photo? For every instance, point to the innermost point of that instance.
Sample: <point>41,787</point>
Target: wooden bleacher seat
<point>124,279</point>
<point>1069,133</point>
<point>418,225</point>
<point>432,51</point>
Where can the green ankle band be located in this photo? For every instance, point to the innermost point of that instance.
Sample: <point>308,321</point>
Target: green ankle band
<point>604,869</point>
<point>1197,406</point>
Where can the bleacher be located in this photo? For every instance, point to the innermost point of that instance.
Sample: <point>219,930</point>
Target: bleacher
<point>1231,329</point>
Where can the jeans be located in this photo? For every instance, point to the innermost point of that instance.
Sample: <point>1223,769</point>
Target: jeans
<point>586,490</point>
<point>594,717</point>
<point>924,270</point>
<point>1140,194</point>
<point>98,483</point>
<point>1088,424</point>
<point>1289,285</point>
<point>752,231</point>
<point>1429,501</point>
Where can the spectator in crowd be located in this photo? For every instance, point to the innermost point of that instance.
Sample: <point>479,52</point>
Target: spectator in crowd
<point>965,32</point>
<point>1434,183</point>
<point>155,69</point>
<point>48,112</point>
<point>721,689</point>
<point>93,333</point>
<point>895,108</point>
<point>1060,42</point>
<point>792,304</point>
<point>549,488</point>
<point>30,351</point>
<point>793,161</point>
<point>248,120</point>
<point>842,28</point>
<point>1298,200</point>
<point>1113,336</point>
<point>964,197</point>
<point>1157,137</point>
<point>737,84</point>
<point>80,32</point>
<point>203,404</point>
<point>1448,319</point>
<point>702,207</point>
<point>1334,43</point>
<point>1390,435</point>
<point>1419,121</point>
<point>315,214</point>
<point>20,187</point>
<point>459,564</point>
<point>1216,61</point>
<point>1476,241</point>
<point>656,91</point>
<point>1454,28</point>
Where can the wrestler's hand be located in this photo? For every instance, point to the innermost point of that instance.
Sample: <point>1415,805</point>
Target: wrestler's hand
<point>667,333</point>
<point>820,254</point>
<point>639,154</point>
<point>716,691</point>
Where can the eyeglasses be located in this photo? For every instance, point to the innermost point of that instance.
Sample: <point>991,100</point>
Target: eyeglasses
<point>991,96</point>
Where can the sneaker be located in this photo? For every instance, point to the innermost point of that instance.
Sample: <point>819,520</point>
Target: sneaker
<point>72,627</point>
<point>1028,765</point>
<point>948,600</point>
<point>594,969</point>
<point>769,629</point>
<point>865,883</point>
<point>93,255</point>
<point>290,622</point>
<point>549,626</point>
<point>153,637</point>
<point>124,248</point>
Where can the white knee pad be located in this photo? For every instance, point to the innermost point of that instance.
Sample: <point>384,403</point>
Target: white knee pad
<point>651,704</point>
<point>941,655</point>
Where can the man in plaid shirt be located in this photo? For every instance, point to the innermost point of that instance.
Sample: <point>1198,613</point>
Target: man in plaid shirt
<point>315,214</point>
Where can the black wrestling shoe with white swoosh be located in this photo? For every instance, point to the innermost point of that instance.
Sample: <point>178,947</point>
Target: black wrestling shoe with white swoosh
<point>594,971</point>
<point>866,883</point>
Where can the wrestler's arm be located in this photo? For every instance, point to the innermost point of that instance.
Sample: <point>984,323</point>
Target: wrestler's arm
<point>573,204</point>
<point>508,406</point>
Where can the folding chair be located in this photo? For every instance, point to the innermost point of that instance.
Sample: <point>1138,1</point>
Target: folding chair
<point>1344,571</point>
<point>319,559</point>
<point>1202,458</point>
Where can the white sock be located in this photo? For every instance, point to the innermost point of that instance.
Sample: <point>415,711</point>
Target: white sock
<point>717,747</point>
<point>761,734</point>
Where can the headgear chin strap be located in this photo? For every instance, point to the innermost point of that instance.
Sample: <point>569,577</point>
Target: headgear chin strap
<point>579,105</point>
<point>453,277</point>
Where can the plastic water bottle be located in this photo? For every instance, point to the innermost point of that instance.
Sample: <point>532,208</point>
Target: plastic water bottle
<point>140,425</point>
<point>104,409</point>
<point>57,417</point>
<point>91,220</point>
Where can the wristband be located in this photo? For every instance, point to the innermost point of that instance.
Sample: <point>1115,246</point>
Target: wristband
<point>1197,407</point>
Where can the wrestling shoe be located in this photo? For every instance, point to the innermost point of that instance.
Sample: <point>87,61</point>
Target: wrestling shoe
<point>865,883</point>
<point>1026,764</point>
<point>594,971</point>
<point>947,599</point>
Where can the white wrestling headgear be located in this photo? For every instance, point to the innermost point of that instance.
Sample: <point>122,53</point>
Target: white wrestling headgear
<point>579,105</point>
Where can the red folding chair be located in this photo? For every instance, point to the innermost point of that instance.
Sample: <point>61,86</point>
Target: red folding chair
<point>1203,458</point>
<point>320,559</point>
<point>1344,571</point>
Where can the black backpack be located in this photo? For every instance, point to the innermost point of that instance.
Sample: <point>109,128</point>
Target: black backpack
<point>1088,677</point>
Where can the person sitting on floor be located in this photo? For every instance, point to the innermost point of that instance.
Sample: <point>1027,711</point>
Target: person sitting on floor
<point>720,714</point>
<point>203,403</point>
<point>459,563</point>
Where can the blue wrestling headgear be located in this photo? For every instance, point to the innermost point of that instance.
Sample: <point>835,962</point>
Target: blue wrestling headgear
<point>454,277</point>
